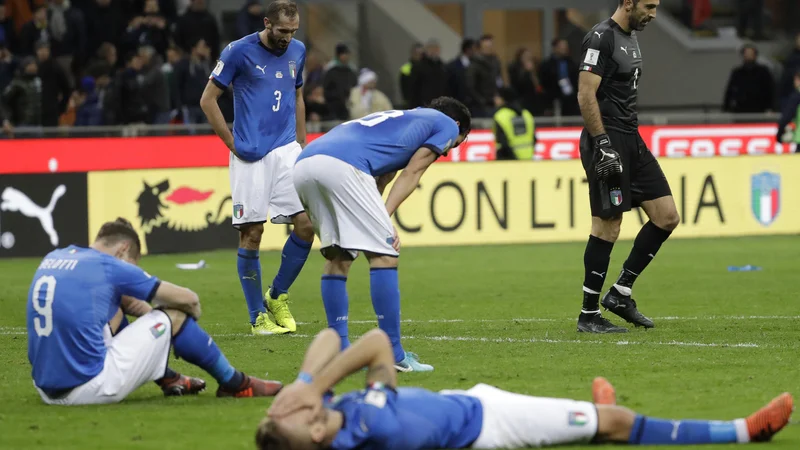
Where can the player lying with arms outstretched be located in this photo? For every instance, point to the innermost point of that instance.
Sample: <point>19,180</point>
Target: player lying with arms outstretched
<point>78,348</point>
<point>382,416</point>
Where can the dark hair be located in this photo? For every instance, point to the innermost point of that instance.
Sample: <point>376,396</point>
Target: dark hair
<point>486,37</point>
<point>268,438</point>
<point>119,230</point>
<point>467,44</point>
<point>622,2</point>
<point>280,8</point>
<point>456,111</point>
<point>746,46</point>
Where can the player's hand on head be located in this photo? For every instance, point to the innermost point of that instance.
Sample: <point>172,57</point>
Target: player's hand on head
<point>298,395</point>
<point>607,161</point>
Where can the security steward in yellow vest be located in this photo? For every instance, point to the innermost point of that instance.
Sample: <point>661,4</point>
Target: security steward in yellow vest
<point>791,115</point>
<point>514,128</point>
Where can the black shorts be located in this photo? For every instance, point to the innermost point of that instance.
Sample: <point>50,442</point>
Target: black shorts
<point>641,179</point>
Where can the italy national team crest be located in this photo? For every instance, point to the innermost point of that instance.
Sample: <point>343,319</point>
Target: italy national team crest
<point>578,419</point>
<point>158,330</point>
<point>293,69</point>
<point>238,211</point>
<point>766,196</point>
<point>616,197</point>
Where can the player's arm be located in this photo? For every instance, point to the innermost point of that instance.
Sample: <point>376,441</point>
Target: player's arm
<point>209,104</point>
<point>588,83</point>
<point>135,307</point>
<point>322,350</point>
<point>300,111</point>
<point>172,296</point>
<point>384,180</point>
<point>408,180</point>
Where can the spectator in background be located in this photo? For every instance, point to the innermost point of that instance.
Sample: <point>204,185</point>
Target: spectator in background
<point>428,77</point>
<point>751,88</point>
<point>250,18</point>
<point>791,116</point>
<point>148,29</point>
<point>483,78</point>
<point>406,88</point>
<point>751,12</point>
<point>108,56</point>
<point>316,109</point>
<point>56,88</point>
<point>525,82</point>
<point>339,79</point>
<point>105,23</point>
<point>314,69</point>
<point>6,27</point>
<point>174,58</point>
<point>513,128</point>
<point>8,66</point>
<point>191,75</point>
<point>559,77</point>
<point>21,12</point>
<point>154,87</point>
<point>197,24</point>
<point>790,67</point>
<point>67,35</point>
<point>34,31</point>
<point>22,99</point>
<point>88,104</point>
<point>457,72</point>
<point>365,99</point>
<point>129,96</point>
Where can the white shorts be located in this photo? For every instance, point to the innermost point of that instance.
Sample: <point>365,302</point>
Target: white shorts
<point>265,186</point>
<point>134,356</point>
<point>517,421</point>
<point>344,206</point>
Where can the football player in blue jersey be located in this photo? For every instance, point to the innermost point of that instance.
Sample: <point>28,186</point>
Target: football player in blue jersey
<point>77,299</point>
<point>269,130</point>
<point>306,416</point>
<point>340,178</point>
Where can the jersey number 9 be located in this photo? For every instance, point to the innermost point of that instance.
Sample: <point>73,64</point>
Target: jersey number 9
<point>376,118</point>
<point>44,306</point>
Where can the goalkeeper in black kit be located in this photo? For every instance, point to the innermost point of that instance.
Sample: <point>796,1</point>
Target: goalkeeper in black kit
<point>621,171</point>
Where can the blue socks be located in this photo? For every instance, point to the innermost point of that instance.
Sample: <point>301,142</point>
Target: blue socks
<point>334,297</point>
<point>294,256</point>
<point>250,277</point>
<point>649,431</point>
<point>384,288</point>
<point>194,345</point>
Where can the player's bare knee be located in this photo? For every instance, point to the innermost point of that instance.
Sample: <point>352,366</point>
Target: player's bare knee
<point>337,266</point>
<point>250,236</point>
<point>606,229</point>
<point>303,227</point>
<point>381,261</point>
<point>614,423</point>
<point>177,318</point>
<point>669,220</point>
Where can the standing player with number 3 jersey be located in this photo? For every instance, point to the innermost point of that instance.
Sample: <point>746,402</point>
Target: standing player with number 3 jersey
<point>622,172</point>
<point>340,178</point>
<point>266,70</point>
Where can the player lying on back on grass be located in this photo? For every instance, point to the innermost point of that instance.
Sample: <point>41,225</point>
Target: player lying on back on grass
<point>382,416</point>
<point>75,302</point>
<point>340,178</point>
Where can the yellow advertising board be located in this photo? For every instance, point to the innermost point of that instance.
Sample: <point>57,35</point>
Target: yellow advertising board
<point>469,203</point>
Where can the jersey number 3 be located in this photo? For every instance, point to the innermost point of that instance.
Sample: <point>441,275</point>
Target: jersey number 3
<point>376,118</point>
<point>277,106</point>
<point>44,306</point>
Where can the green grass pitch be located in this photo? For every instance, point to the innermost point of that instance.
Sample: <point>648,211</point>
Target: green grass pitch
<point>724,343</point>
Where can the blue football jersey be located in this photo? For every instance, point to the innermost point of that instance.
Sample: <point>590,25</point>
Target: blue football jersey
<point>385,141</point>
<point>75,292</point>
<point>407,419</point>
<point>265,84</point>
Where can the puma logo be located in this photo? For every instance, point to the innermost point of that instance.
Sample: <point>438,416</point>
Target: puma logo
<point>610,155</point>
<point>17,201</point>
<point>262,69</point>
<point>251,276</point>
<point>601,275</point>
<point>624,49</point>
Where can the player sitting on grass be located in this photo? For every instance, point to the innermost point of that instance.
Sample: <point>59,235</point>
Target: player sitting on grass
<point>385,417</point>
<point>340,178</point>
<point>77,291</point>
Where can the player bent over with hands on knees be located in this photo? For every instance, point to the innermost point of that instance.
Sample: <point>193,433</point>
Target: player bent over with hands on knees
<point>340,178</point>
<point>304,416</point>
<point>79,295</point>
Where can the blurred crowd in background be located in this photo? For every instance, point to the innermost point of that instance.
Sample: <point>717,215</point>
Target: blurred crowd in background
<point>118,62</point>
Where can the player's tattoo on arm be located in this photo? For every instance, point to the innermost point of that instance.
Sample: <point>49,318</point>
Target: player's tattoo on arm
<point>380,373</point>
